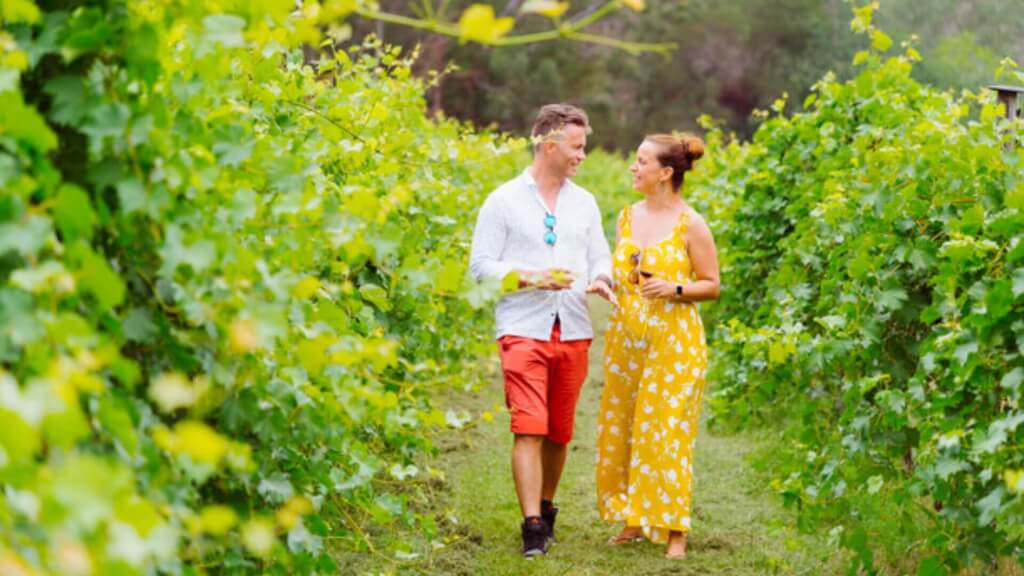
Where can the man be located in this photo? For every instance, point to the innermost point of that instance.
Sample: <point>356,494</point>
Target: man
<point>547,232</point>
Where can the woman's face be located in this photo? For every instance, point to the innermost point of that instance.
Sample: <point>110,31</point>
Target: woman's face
<point>648,174</point>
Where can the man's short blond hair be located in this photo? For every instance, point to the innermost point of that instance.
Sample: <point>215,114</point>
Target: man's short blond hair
<point>554,117</point>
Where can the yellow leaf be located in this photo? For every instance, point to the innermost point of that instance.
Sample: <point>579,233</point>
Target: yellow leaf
<point>139,513</point>
<point>510,283</point>
<point>549,8</point>
<point>1014,480</point>
<point>292,511</point>
<point>199,442</point>
<point>777,353</point>
<point>637,5</point>
<point>217,520</point>
<point>13,565</point>
<point>880,41</point>
<point>258,537</point>
<point>18,11</point>
<point>306,288</point>
<point>478,24</point>
<point>73,559</point>
<point>171,390</point>
<point>242,336</point>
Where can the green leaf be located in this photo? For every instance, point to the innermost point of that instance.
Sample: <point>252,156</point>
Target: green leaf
<point>450,276</point>
<point>115,416</point>
<point>18,440</point>
<point>880,41</point>
<point>990,505</point>
<point>224,29</point>
<point>999,300</point>
<point>1015,197</point>
<point>892,299</point>
<point>276,488</point>
<point>964,351</point>
<point>1011,381</point>
<point>946,467</point>
<point>875,484</point>
<point>65,428</point>
<point>375,295</point>
<point>132,196</point>
<point>832,321</point>
<point>993,439</point>
<point>9,80</point>
<point>931,566</point>
<point>97,278</point>
<point>25,237</point>
<point>232,153</point>
<point>1018,282</point>
<point>138,326</point>
<point>73,213</point>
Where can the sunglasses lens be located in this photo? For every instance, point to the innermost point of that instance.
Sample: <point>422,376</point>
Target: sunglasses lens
<point>550,238</point>
<point>549,220</point>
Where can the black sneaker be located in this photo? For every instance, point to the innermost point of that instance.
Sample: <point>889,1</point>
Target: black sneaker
<point>548,512</point>
<point>535,537</point>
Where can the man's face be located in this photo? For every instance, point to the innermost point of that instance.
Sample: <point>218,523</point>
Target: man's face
<point>568,149</point>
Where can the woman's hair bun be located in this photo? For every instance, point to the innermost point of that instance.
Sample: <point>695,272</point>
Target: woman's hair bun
<point>694,146</point>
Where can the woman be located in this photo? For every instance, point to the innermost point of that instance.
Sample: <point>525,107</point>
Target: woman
<point>655,352</point>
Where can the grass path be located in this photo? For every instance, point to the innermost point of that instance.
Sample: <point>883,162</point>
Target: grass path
<point>739,526</point>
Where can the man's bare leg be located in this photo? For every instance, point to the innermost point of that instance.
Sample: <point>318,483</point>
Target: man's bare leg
<point>553,460</point>
<point>528,473</point>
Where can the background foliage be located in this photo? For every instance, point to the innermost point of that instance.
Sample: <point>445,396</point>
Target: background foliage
<point>733,56</point>
<point>873,300</point>
<point>230,284</point>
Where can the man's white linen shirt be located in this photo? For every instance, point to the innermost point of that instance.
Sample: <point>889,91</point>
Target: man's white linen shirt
<point>509,235</point>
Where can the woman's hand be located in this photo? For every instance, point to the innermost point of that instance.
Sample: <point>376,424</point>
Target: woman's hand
<point>602,289</point>
<point>654,288</point>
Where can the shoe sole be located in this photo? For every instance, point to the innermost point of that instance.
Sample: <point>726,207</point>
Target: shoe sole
<point>531,554</point>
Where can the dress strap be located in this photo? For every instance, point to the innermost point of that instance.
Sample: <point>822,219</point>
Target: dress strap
<point>683,225</point>
<point>626,222</point>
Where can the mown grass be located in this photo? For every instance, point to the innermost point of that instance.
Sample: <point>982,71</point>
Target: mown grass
<point>739,527</point>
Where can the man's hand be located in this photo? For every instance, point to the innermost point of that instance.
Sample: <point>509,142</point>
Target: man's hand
<point>550,279</point>
<point>654,288</point>
<point>602,289</point>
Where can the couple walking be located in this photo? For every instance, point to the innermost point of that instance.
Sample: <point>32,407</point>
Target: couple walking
<point>547,230</point>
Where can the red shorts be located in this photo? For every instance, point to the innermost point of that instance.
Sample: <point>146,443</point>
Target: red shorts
<point>542,383</point>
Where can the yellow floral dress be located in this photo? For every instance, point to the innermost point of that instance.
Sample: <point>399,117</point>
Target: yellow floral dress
<point>655,357</point>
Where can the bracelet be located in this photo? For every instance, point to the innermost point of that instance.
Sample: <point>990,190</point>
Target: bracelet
<point>679,290</point>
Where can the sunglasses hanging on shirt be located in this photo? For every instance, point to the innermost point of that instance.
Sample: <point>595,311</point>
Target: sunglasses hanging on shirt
<point>550,237</point>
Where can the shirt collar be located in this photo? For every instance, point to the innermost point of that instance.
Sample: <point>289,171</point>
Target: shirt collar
<point>532,183</point>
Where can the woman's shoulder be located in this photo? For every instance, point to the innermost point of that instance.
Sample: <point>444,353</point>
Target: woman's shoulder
<point>695,222</point>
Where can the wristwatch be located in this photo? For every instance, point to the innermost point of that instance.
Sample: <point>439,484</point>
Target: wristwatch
<point>679,290</point>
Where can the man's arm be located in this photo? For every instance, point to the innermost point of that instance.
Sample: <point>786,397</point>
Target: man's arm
<point>599,258</point>
<point>489,237</point>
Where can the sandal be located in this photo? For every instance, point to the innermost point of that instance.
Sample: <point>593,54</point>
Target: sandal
<point>620,539</point>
